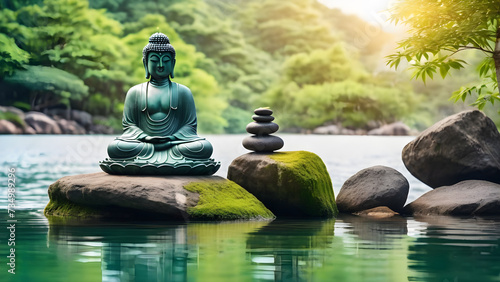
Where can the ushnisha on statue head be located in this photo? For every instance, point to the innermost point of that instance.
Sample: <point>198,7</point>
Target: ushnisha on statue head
<point>158,57</point>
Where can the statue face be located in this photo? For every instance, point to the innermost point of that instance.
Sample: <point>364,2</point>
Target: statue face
<point>160,64</point>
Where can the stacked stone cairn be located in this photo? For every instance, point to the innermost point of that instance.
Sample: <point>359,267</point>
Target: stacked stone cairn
<point>262,128</point>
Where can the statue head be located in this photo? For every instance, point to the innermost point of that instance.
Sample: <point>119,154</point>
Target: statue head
<point>158,56</point>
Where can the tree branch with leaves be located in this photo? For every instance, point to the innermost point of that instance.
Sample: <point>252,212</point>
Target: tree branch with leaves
<point>442,28</point>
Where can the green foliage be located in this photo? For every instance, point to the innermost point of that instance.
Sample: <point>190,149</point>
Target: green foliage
<point>319,66</point>
<point>440,30</point>
<point>351,103</point>
<point>11,56</point>
<point>235,56</point>
<point>12,117</point>
<point>237,119</point>
<point>63,85</point>
<point>326,86</point>
<point>286,27</point>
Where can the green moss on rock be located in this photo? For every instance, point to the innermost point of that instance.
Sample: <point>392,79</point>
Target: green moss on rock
<point>307,174</point>
<point>60,206</point>
<point>67,208</point>
<point>225,200</point>
<point>288,183</point>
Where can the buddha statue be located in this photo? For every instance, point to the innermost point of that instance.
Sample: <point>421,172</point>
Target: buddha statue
<point>159,123</point>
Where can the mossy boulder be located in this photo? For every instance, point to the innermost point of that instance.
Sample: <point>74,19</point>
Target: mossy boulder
<point>153,198</point>
<point>288,183</point>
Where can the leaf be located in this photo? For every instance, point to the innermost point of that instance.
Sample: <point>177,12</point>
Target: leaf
<point>455,64</point>
<point>443,70</point>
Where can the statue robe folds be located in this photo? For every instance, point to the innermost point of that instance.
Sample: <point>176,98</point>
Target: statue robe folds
<point>173,148</point>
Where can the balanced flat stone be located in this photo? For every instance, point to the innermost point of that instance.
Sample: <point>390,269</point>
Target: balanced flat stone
<point>153,197</point>
<point>262,128</point>
<point>263,112</point>
<point>262,118</point>
<point>266,143</point>
<point>466,198</point>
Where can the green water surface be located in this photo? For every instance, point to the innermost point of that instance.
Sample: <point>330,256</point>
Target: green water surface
<point>348,248</point>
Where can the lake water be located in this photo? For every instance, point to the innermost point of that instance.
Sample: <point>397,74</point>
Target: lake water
<point>347,248</point>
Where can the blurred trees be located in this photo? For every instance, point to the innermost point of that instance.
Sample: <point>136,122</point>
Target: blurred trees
<point>311,64</point>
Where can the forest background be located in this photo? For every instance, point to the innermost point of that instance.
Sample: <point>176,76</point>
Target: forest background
<point>311,64</point>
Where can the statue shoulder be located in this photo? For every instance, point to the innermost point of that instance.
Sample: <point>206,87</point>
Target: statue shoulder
<point>183,90</point>
<point>136,89</point>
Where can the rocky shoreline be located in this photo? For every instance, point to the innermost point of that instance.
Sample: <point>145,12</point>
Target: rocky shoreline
<point>61,121</point>
<point>56,121</point>
<point>392,129</point>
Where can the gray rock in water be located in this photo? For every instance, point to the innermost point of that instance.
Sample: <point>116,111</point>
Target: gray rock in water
<point>266,143</point>
<point>466,198</point>
<point>152,197</point>
<point>460,147</point>
<point>378,212</point>
<point>373,187</point>
<point>41,123</point>
<point>262,128</point>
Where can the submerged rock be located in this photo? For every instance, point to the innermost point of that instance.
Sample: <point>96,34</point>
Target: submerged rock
<point>288,183</point>
<point>466,198</point>
<point>460,147</point>
<point>378,212</point>
<point>153,197</point>
<point>373,187</point>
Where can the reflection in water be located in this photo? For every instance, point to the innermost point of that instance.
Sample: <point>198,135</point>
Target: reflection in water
<point>285,250</point>
<point>456,249</point>
<point>377,230</point>
<point>349,248</point>
<point>127,253</point>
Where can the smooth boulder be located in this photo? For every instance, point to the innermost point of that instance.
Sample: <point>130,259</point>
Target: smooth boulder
<point>7,127</point>
<point>70,127</point>
<point>153,197</point>
<point>42,123</point>
<point>460,147</point>
<point>373,187</point>
<point>288,183</point>
<point>466,198</point>
<point>393,129</point>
